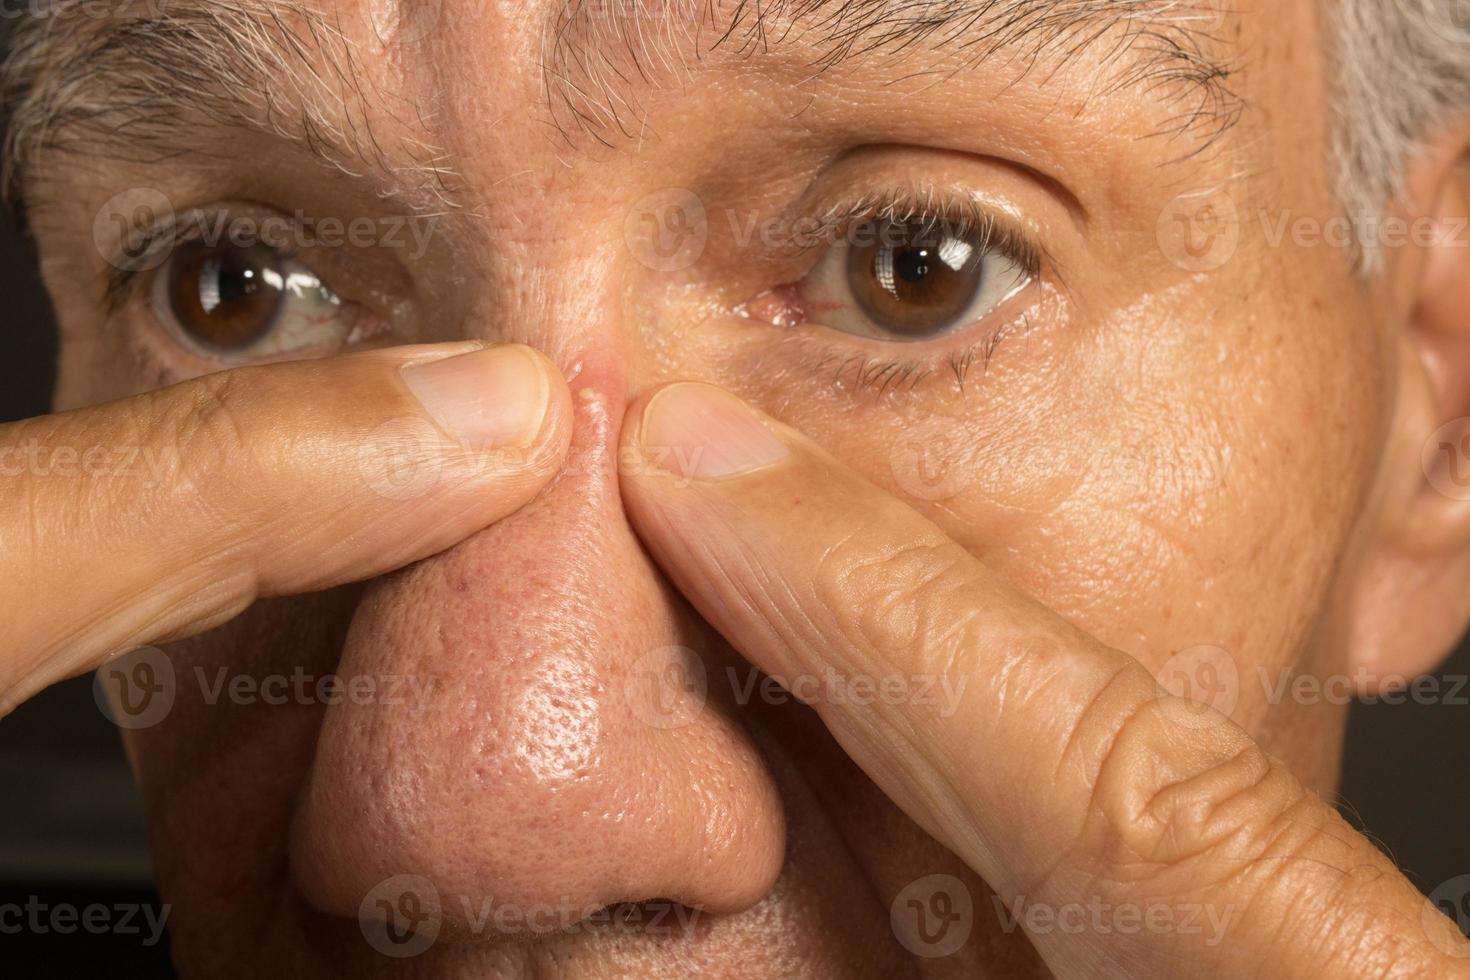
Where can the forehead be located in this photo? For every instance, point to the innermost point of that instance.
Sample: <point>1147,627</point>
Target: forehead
<point>368,80</point>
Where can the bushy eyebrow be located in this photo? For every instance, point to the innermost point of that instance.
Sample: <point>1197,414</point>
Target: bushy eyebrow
<point>132,82</point>
<point>137,83</point>
<point>600,52</point>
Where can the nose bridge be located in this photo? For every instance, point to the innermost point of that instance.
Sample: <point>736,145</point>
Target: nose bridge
<point>527,768</point>
<point>547,293</point>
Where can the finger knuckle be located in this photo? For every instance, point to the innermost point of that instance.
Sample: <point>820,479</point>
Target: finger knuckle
<point>914,597</point>
<point>213,440</point>
<point>1173,803</point>
<point>1198,814</point>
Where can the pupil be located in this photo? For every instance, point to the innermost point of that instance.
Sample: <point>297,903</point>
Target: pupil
<point>912,264</point>
<point>918,278</point>
<point>224,280</point>
<point>225,297</point>
<point>228,279</point>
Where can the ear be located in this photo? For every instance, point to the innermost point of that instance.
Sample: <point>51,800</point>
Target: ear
<point>1413,600</point>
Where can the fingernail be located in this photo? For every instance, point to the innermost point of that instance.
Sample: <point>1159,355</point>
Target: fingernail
<point>704,433</point>
<point>487,399</point>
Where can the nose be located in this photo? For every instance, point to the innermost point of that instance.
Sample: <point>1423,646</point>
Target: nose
<point>536,756</point>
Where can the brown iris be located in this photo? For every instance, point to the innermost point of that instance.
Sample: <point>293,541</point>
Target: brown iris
<point>225,297</point>
<point>914,278</point>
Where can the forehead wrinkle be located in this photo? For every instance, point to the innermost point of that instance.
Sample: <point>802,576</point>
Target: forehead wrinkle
<point>600,54</point>
<point>137,85</point>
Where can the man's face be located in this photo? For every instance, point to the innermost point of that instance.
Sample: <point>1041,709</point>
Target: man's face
<point>1083,350</point>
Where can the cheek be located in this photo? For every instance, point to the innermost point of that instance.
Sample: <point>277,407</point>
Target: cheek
<point>1167,480</point>
<point>220,772</point>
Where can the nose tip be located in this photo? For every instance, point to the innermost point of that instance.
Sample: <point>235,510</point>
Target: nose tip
<point>553,750</point>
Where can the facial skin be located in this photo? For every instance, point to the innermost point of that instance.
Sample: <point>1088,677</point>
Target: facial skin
<point>1169,453</point>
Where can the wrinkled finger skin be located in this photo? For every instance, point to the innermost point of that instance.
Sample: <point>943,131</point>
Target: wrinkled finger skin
<point>1195,442</point>
<point>834,588</point>
<point>180,507</point>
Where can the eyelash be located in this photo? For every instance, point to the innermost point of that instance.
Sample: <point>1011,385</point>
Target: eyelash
<point>880,375</point>
<point>931,208</point>
<point>924,204</point>
<point>148,248</point>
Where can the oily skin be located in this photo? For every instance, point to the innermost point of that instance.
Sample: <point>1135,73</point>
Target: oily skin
<point>1120,461</point>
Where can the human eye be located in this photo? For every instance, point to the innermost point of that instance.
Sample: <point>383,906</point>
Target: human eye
<point>231,302</point>
<point>907,267</point>
<point>216,297</point>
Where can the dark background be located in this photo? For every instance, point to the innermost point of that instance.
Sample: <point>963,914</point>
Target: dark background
<point>72,831</point>
<point>71,826</point>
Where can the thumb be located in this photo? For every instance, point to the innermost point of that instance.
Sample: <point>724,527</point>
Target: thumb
<point>159,516</point>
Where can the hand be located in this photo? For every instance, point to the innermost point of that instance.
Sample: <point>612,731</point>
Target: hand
<point>157,517</point>
<point>1066,775</point>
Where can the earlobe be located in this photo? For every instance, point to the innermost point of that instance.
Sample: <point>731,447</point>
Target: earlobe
<point>1413,599</point>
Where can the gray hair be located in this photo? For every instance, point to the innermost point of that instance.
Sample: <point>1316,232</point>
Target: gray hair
<point>1403,72</point>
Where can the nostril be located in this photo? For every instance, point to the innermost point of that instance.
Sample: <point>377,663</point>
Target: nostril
<point>658,918</point>
<point>404,913</point>
<point>530,776</point>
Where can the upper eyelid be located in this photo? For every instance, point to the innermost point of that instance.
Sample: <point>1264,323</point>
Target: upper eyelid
<point>148,249</point>
<point>145,249</point>
<point>374,256</point>
<point>904,203</point>
<point>142,250</point>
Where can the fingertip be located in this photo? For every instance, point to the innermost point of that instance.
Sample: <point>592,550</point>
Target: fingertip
<point>555,435</point>
<point>491,398</point>
<point>632,433</point>
<point>702,432</point>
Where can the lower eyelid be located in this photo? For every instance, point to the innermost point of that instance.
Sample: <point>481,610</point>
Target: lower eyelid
<point>851,365</point>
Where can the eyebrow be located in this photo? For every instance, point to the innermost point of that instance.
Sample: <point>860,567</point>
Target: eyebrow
<point>137,84</point>
<point>123,86</point>
<point>1168,47</point>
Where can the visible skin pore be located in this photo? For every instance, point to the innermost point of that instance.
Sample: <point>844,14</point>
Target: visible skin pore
<point>1155,457</point>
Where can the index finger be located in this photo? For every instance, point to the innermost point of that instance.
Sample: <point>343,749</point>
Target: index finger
<point>1063,772</point>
